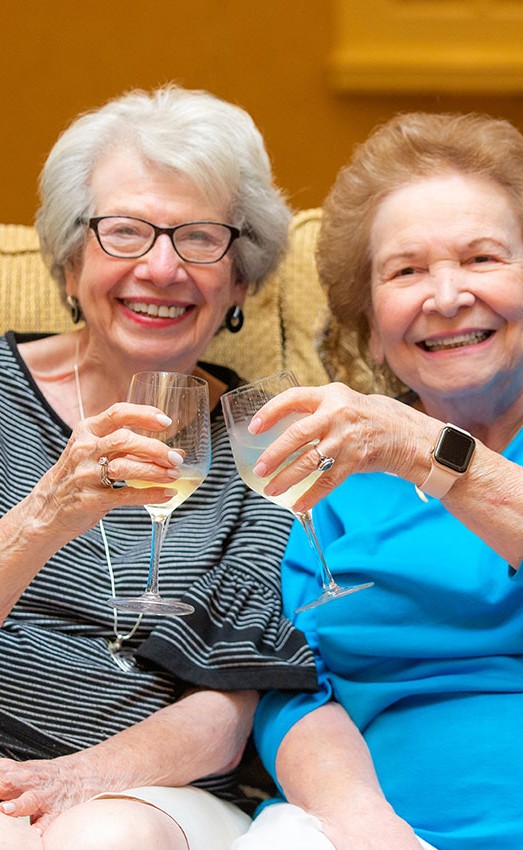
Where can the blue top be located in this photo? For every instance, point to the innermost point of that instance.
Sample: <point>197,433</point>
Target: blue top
<point>428,663</point>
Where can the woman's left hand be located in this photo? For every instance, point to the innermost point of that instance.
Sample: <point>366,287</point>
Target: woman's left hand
<point>43,788</point>
<point>362,433</point>
<point>207,730</point>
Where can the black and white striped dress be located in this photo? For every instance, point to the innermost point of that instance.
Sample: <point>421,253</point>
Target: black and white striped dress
<point>60,690</point>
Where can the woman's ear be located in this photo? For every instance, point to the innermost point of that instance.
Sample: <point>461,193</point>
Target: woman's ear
<point>375,344</point>
<point>240,293</point>
<point>71,274</point>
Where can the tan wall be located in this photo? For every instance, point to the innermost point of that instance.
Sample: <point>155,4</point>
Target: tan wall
<point>60,57</point>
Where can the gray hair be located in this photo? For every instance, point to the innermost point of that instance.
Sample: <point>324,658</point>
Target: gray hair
<point>213,143</point>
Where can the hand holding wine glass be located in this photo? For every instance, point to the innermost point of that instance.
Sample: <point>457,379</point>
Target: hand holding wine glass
<point>239,407</point>
<point>185,399</point>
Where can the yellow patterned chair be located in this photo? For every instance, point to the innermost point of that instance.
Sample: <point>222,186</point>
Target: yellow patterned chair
<point>280,321</point>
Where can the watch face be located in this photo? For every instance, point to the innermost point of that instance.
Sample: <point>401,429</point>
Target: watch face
<point>454,449</point>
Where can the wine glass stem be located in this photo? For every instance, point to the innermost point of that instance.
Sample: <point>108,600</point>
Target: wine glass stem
<point>328,583</point>
<point>159,527</point>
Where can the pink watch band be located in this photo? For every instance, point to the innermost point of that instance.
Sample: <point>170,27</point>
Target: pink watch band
<point>439,481</point>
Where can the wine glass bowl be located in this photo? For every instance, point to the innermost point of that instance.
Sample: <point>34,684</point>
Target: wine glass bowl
<point>185,399</point>
<point>248,447</point>
<point>239,407</point>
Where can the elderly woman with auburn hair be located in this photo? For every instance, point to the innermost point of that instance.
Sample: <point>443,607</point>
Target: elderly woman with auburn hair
<point>413,738</point>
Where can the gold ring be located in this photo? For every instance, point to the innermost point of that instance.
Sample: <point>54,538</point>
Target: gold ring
<point>324,462</point>
<point>104,476</point>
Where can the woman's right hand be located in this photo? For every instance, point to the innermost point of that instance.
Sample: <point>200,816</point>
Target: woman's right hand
<point>71,495</point>
<point>361,433</point>
<point>71,498</point>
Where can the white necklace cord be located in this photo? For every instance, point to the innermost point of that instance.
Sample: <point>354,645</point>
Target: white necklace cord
<point>115,645</point>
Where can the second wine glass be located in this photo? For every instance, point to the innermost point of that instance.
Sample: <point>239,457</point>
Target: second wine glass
<point>239,406</point>
<point>185,399</point>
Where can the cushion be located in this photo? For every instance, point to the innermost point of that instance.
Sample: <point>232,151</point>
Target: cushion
<point>280,321</point>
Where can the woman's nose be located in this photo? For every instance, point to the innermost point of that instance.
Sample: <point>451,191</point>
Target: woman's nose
<point>161,264</point>
<point>448,293</point>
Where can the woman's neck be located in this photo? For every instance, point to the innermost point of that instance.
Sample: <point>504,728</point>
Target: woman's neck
<point>491,418</point>
<point>58,362</point>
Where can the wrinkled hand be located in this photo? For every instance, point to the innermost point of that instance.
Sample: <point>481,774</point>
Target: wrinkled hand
<point>71,496</point>
<point>42,789</point>
<point>363,433</point>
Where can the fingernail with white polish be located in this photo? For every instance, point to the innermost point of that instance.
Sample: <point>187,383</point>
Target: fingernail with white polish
<point>8,808</point>
<point>254,426</point>
<point>175,458</point>
<point>260,470</point>
<point>163,419</point>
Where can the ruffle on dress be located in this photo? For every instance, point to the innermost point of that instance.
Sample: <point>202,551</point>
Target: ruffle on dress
<point>236,638</point>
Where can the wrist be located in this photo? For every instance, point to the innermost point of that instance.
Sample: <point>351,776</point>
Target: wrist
<point>450,459</point>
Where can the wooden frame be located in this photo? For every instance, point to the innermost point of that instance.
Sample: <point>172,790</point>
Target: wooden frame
<point>473,46</point>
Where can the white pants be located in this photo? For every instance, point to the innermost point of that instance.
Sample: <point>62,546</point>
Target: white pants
<point>207,821</point>
<point>283,826</point>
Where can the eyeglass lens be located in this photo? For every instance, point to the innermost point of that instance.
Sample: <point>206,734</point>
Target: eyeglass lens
<point>196,242</point>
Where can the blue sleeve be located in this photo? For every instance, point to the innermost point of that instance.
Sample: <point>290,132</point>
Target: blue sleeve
<point>278,711</point>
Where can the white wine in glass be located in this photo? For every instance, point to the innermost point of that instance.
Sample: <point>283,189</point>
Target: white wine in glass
<point>185,399</point>
<point>239,407</point>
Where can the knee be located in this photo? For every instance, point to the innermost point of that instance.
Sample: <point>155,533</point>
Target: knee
<point>114,824</point>
<point>16,834</point>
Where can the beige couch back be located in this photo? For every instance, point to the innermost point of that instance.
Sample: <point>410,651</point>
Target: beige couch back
<point>280,321</point>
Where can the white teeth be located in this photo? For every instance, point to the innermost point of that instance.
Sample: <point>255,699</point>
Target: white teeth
<point>162,310</point>
<point>457,341</point>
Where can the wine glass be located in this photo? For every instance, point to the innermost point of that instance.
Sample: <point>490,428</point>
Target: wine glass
<point>239,406</point>
<point>185,399</point>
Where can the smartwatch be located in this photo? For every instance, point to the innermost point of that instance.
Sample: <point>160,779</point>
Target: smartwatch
<point>450,458</point>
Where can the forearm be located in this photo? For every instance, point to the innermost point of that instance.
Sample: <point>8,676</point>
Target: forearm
<point>29,536</point>
<point>202,734</point>
<point>489,501</point>
<point>324,766</point>
<point>322,759</point>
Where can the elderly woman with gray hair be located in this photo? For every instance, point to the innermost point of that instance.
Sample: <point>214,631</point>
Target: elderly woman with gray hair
<point>158,214</point>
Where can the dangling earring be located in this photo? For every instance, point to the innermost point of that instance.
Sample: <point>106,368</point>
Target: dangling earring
<point>74,308</point>
<point>234,319</point>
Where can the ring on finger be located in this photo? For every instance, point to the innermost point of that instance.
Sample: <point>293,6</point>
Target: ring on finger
<point>324,462</point>
<point>104,472</point>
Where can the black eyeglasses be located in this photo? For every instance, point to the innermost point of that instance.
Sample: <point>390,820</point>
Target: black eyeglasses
<point>128,238</point>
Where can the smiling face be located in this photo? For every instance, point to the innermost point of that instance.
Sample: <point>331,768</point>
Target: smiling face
<point>447,289</point>
<point>158,310</point>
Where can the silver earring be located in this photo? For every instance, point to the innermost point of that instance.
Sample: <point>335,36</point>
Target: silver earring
<point>234,319</point>
<point>74,308</point>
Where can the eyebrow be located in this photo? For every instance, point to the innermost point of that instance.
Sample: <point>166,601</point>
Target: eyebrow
<point>485,240</point>
<point>394,259</point>
<point>409,255</point>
